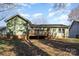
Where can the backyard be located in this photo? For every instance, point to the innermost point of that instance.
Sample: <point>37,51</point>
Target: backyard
<point>36,47</point>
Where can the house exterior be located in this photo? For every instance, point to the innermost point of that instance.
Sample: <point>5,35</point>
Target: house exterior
<point>19,26</point>
<point>52,30</point>
<point>74,29</point>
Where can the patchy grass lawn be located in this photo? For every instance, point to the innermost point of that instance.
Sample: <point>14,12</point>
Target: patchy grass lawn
<point>19,48</point>
<point>13,48</point>
<point>38,47</point>
<point>6,48</point>
<point>68,40</point>
<point>51,50</point>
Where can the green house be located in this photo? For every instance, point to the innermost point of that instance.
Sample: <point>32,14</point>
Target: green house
<point>18,25</point>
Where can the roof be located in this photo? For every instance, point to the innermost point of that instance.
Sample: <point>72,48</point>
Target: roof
<point>25,19</point>
<point>50,25</point>
<point>39,25</point>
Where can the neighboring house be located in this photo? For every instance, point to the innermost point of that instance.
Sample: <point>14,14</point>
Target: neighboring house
<point>74,29</point>
<point>3,31</point>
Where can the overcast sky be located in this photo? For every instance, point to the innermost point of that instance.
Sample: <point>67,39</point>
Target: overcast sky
<point>41,13</point>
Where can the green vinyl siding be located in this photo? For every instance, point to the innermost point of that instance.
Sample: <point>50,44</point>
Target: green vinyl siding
<point>17,25</point>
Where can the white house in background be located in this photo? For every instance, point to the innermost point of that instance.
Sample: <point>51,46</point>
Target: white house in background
<point>74,28</point>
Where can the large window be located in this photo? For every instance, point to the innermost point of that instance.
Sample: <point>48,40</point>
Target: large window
<point>60,30</point>
<point>54,29</point>
<point>63,30</point>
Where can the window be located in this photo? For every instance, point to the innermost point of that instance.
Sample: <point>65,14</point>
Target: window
<point>54,29</point>
<point>60,30</point>
<point>63,30</point>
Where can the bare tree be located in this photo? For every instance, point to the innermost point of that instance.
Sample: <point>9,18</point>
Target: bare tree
<point>58,6</point>
<point>4,7</point>
<point>74,14</point>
